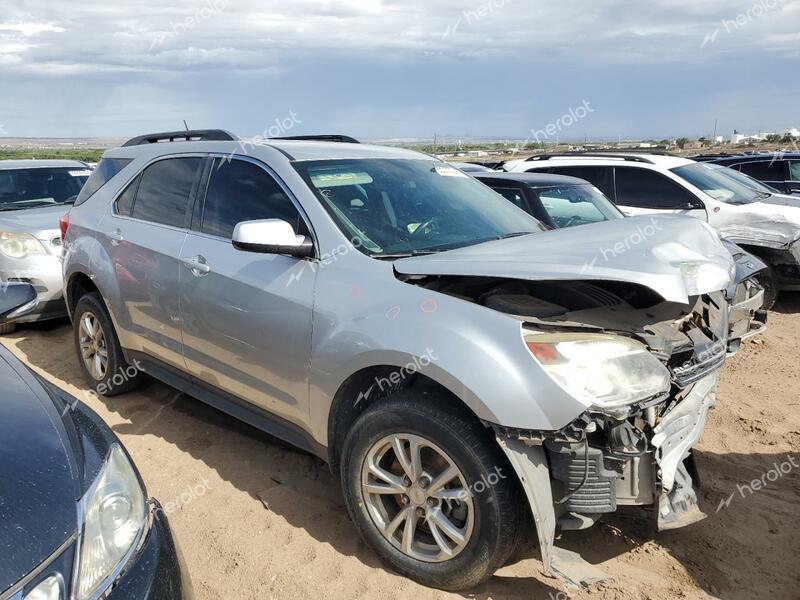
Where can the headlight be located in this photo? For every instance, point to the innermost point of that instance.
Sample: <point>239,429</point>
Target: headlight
<point>19,245</point>
<point>115,518</point>
<point>49,589</point>
<point>607,372</point>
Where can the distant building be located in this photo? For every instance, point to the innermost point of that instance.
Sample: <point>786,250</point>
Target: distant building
<point>793,132</point>
<point>719,139</point>
<point>693,145</point>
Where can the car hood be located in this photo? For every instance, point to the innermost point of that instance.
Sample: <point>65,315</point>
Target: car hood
<point>38,474</point>
<point>773,222</point>
<point>676,257</point>
<point>42,222</point>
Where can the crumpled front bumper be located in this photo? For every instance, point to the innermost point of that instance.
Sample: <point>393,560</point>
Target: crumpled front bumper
<point>656,478</point>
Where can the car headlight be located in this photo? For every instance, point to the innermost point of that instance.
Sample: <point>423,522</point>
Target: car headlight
<point>607,372</point>
<point>19,245</point>
<point>49,589</point>
<point>115,514</point>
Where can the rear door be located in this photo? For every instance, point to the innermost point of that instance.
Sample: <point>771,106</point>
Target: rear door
<point>770,171</point>
<point>640,191</point>
<point>247,316</point>
<point>143,236</point>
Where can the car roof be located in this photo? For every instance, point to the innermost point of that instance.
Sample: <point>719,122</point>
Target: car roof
<point>664,161</point>
<point>294,150</point>
<point>533,179</point>
<point>31,163</point>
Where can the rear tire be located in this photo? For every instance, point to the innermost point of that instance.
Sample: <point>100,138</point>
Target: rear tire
<point>98,349</point>
<point>456,438</point>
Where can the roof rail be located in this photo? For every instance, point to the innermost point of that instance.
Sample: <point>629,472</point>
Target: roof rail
<point>192,135</point>
<point>342,139</point>
<point>625,157</point>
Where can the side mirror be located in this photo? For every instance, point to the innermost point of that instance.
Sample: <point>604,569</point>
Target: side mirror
<point>16,300</point>
<point>271,236</point>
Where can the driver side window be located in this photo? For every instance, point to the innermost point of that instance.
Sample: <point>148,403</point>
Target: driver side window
<point>642,188</point>
<point>242,191</point>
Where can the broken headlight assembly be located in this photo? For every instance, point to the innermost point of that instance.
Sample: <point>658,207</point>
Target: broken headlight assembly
<point>606,372</point>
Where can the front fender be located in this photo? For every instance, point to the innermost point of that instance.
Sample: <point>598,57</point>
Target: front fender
<point>474,352</point>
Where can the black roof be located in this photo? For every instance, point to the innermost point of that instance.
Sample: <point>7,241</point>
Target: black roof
<point>534,180</point>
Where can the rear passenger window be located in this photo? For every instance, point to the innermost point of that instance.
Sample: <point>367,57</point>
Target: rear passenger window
<point>164,191</point>
<point>242,191</point>
<point>125,199</point>
<point>764,170</point>
<point>600,177</point>
<point>641,188</point>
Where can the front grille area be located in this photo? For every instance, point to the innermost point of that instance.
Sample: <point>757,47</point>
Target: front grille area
<point>708,332</point>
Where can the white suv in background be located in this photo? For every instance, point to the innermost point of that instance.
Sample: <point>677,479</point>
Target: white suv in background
<point>745,212</point>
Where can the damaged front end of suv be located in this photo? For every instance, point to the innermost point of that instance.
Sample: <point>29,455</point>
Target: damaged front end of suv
<point>641,355</point>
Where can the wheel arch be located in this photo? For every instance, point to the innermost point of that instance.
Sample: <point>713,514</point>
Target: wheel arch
<point>358,392</point>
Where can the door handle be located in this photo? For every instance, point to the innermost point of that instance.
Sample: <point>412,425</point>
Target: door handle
<point>197,265</point>
<point>116,237</point>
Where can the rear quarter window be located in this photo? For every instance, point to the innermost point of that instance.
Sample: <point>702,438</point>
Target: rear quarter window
<point>105,170</point>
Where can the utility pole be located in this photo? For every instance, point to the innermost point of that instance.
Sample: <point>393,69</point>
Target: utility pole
<point>715,129</point>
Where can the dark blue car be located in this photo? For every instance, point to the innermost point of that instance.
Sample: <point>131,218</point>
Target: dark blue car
<point>75,521</point>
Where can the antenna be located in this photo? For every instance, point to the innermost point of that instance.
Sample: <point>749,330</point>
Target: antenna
<point>185,125</point>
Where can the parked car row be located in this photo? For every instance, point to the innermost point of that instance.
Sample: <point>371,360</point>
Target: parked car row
<point>745,212</point>
<point>481,361</point>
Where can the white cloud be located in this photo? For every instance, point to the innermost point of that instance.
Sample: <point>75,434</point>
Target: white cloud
<point>252,34</point>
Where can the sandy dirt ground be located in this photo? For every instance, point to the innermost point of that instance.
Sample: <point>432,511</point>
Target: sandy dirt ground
<point>258,519</point>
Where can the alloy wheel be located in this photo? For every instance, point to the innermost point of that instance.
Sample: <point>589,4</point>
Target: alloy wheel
<point>94,351</point>
<point>417,497</point>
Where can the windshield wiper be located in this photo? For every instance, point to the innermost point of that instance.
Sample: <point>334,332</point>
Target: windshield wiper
<point>405,254</point>
<point>513,235</point>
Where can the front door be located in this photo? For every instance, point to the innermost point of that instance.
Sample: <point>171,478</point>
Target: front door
<point>247,316</point>
<point>640,191</point>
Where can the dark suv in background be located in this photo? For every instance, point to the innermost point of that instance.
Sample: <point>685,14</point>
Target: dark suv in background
<point>780,170</point>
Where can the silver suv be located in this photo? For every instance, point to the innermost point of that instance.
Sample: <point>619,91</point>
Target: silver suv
<point>475,379</point>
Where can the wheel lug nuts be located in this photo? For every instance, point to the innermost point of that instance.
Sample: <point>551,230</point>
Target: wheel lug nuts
<point>405,499</point>
<point>431,502</point>
<point>420,512</point>
<point>406,481</point>
<point>424,482</point>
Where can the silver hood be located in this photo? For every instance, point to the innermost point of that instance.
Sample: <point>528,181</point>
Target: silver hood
<point>42,222</point>
<point>677,257</point>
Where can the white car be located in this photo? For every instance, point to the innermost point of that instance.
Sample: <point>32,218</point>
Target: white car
<point>763,223</point>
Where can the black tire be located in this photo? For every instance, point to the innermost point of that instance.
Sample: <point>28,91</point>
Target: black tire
<point>769,282</point>
<point>7,328</point>
<point>498,508</point>
<point>120,377</point>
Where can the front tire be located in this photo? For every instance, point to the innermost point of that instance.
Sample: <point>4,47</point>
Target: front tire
<point>769,282</point>
<point>430,491</point>
<point>99,352</point>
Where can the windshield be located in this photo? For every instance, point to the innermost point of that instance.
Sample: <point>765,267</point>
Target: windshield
<point>745,179</point>
<point>573,205</point>
<point>718,185</point>
<point>35,187</point>
<point>391,207</point>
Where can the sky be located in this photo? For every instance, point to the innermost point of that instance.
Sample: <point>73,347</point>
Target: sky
<point>399,68</point>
